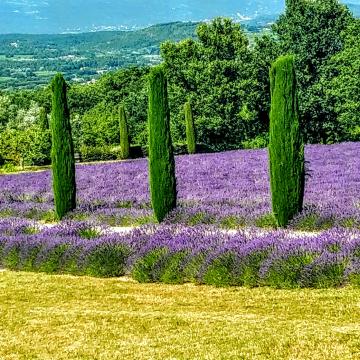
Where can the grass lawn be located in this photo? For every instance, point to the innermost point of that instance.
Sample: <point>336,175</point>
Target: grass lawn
<point>63,317</point>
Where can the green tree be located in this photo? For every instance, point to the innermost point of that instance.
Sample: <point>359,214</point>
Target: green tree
<point>215,72</point>
<point>341,84</point>
<point>286,148</point>
<point>99,126</point>
<point>62,151</point>
<point>124,135</point>
<point>190,129</point>
<point>311,30</point>
<point>161,157</point>
<point>266,51</point>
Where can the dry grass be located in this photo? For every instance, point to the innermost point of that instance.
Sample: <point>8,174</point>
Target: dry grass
<point>62,317</point>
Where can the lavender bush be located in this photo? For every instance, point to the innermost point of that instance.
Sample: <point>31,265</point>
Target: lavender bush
<point>229,189</point>
<point>178,254</point>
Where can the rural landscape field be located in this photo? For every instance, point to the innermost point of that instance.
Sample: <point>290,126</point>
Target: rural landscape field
<point>187,190</point>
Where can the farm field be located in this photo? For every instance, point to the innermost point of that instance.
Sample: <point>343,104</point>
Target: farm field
<point>222,233</point>
<point>229,189</point>
<point>64,317</point>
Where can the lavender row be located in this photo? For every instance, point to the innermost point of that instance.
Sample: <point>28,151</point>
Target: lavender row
<point>177,254</point>
<point>213,188</point>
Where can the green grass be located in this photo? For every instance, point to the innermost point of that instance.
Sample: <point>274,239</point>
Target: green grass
<point>64,317</point>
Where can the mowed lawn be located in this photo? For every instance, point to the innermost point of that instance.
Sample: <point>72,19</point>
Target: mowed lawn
<point>63,317</point>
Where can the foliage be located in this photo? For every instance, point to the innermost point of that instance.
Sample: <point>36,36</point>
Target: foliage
<point>23,139</point>
<point>97,106</point>
<point>161,156</point>
<point>147,268</point>
<point>311,30</point>
<point>340,82</point>
<point>259,142</point>
<point>106,260</point>
<point>99,127</point>
<point>221,69</point>
<point>286,150</point>
<point>81,57</point>
<point>215,73</point>
<point>62,151</point>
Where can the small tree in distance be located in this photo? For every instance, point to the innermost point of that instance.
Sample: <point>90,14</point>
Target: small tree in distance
<point>124,134</point>
<point>190,128</point>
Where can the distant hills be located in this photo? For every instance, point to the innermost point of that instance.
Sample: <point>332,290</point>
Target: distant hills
<point>27,61</point>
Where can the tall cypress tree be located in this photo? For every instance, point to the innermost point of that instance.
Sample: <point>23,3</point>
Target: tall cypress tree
<point>190,128</point>
<point>286,149</point>
<point>62,151</point>
<point>161,156</point>
<point>124,134</point>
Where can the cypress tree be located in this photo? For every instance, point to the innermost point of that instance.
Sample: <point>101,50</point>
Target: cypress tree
<point>286,148</point>
<point>62,151</point>
<point>124,134</point>
<point>161,155</point>
<point>43,119</point>
<point>190,129</point>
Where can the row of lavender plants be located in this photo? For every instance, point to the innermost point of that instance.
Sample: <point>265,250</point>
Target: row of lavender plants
<point>177,254</point>
<point>229,189</point>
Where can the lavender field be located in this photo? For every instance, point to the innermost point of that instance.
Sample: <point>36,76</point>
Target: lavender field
<point>217,192</point>
<point>229,189</point>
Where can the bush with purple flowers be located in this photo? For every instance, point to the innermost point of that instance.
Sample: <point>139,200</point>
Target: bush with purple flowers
<point>178,254</point>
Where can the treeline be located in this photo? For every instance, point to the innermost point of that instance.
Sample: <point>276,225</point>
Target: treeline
<point>226,81</point>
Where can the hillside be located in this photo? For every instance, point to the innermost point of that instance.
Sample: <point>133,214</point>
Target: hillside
<point>30,60</point>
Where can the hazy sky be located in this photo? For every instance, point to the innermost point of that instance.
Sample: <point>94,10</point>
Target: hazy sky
<point>48,16</point>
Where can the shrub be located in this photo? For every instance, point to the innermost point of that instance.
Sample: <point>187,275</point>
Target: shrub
<point>259,142</point>
<point>287,172</point>
<point>50,258</point>
<point>173,271</point>
<point>62,151</point>
<point>108,153</point>
<point>284,267</point>
<point>106,260</point>
<point>148,267</point>
<point>220,271</point>
<point>161,156</point>
<point>328,270</point>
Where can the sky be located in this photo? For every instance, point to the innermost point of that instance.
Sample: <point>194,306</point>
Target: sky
<point>58,16</point>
